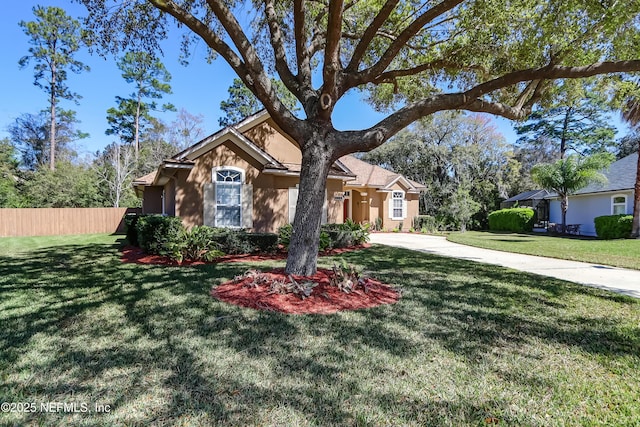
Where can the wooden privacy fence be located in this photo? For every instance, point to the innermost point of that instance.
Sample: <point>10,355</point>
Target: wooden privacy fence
<point>61,221</point>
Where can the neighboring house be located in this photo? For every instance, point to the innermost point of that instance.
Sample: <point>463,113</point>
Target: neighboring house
<point>247,176</point>
<point>534,199</point>
<point>611,198</point>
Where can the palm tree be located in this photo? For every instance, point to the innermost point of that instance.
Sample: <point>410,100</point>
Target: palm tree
<point>566,176</point>
<point>631,114</point>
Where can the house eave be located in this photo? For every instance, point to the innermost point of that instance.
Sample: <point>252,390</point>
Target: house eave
<point>287,172</point>
<point>555,196</point>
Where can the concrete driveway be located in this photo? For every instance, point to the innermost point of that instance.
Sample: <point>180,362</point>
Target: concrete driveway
<point>614,279</point>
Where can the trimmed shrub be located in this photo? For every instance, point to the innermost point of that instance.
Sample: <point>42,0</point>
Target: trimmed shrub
<point>199,244</point>
<point>232,241</point>
<point>332,235</point>
<point>613,226</point>
<point>284,235</point>
<point>263,242</point>
<point>130,221</point>
<point>158,234</point>
<point>516,219</point>
<point>339,238</point>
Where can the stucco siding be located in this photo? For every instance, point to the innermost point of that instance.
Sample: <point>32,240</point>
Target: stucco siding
<point>170,198</point>
<point>334,207</point>
<point>583,209</point>
<point>412,209</point>
<point>190,187</point>
<point>152,200</point>
<point>270,192</point>
<point>269,138</point>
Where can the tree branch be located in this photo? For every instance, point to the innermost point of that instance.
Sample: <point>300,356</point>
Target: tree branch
<point>331,57</point>
<point>369,34</point>
<point>204,32</point>
<point>553,72</point>
<point>355,79</point>
<point>302,54</point>
<point>279,53</point>
<point>257,79</point>
<point>470,100</point>
<point>439,64</point>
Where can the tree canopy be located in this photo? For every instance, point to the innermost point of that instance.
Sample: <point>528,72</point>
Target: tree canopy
<point>151,81</point>
<point>579,126</point>
<point>410,58</point>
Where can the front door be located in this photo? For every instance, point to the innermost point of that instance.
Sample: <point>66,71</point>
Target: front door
<point>346,206</point>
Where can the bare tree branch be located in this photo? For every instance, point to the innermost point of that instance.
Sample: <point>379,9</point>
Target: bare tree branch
<point>204,32</point>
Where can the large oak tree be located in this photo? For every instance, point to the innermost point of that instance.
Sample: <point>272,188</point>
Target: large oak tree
<point>413,58</point>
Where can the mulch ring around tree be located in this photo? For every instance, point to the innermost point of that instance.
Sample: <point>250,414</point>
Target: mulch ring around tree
<point>324,298</point>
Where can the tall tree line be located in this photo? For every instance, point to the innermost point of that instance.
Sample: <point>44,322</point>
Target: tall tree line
<point>39,163</point>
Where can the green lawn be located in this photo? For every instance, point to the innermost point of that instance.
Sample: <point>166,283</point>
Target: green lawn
<point>618,253</point>
<point>468,344</point>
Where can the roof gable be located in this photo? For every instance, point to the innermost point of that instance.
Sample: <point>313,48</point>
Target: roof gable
<point>349,168</point>
<point>368,175</point>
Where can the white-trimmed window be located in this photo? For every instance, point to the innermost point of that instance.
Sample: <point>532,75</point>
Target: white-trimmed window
<point>228,193</point>
<point>397,206</point>
<point>619,204</point>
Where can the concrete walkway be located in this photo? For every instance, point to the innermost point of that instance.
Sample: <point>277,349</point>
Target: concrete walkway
<point>614,279</point>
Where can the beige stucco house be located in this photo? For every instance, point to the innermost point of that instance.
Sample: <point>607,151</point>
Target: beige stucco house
<point>247,176</point>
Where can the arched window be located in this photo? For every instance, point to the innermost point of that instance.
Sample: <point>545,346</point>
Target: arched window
<point>619,204</point>
<point>228,185</point>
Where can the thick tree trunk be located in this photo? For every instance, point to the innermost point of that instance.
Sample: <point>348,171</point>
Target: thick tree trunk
<point>303,248</point>
<point>635,229</point>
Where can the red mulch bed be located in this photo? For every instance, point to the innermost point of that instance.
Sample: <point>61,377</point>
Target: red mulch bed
<point>325,299</point>
<point>136,255</point>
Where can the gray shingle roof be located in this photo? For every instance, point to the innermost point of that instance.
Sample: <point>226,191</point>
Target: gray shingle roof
<point>621,175</point>
<point>528,195</point>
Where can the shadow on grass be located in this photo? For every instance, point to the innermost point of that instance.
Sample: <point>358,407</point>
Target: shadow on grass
<point>79,325</point>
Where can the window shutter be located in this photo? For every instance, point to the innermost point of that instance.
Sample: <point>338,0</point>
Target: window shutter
<point>247,206</point>
<point>390,203</point>
<point>293,201</point>
<point>405,202</point>
<point>325,208</point>
<point>209,204</point>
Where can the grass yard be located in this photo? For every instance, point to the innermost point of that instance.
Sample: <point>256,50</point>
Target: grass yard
<point>468,344</point>
<point>618,253</point>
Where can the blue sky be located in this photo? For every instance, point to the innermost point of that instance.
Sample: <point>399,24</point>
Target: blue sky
<point>198,87</point>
